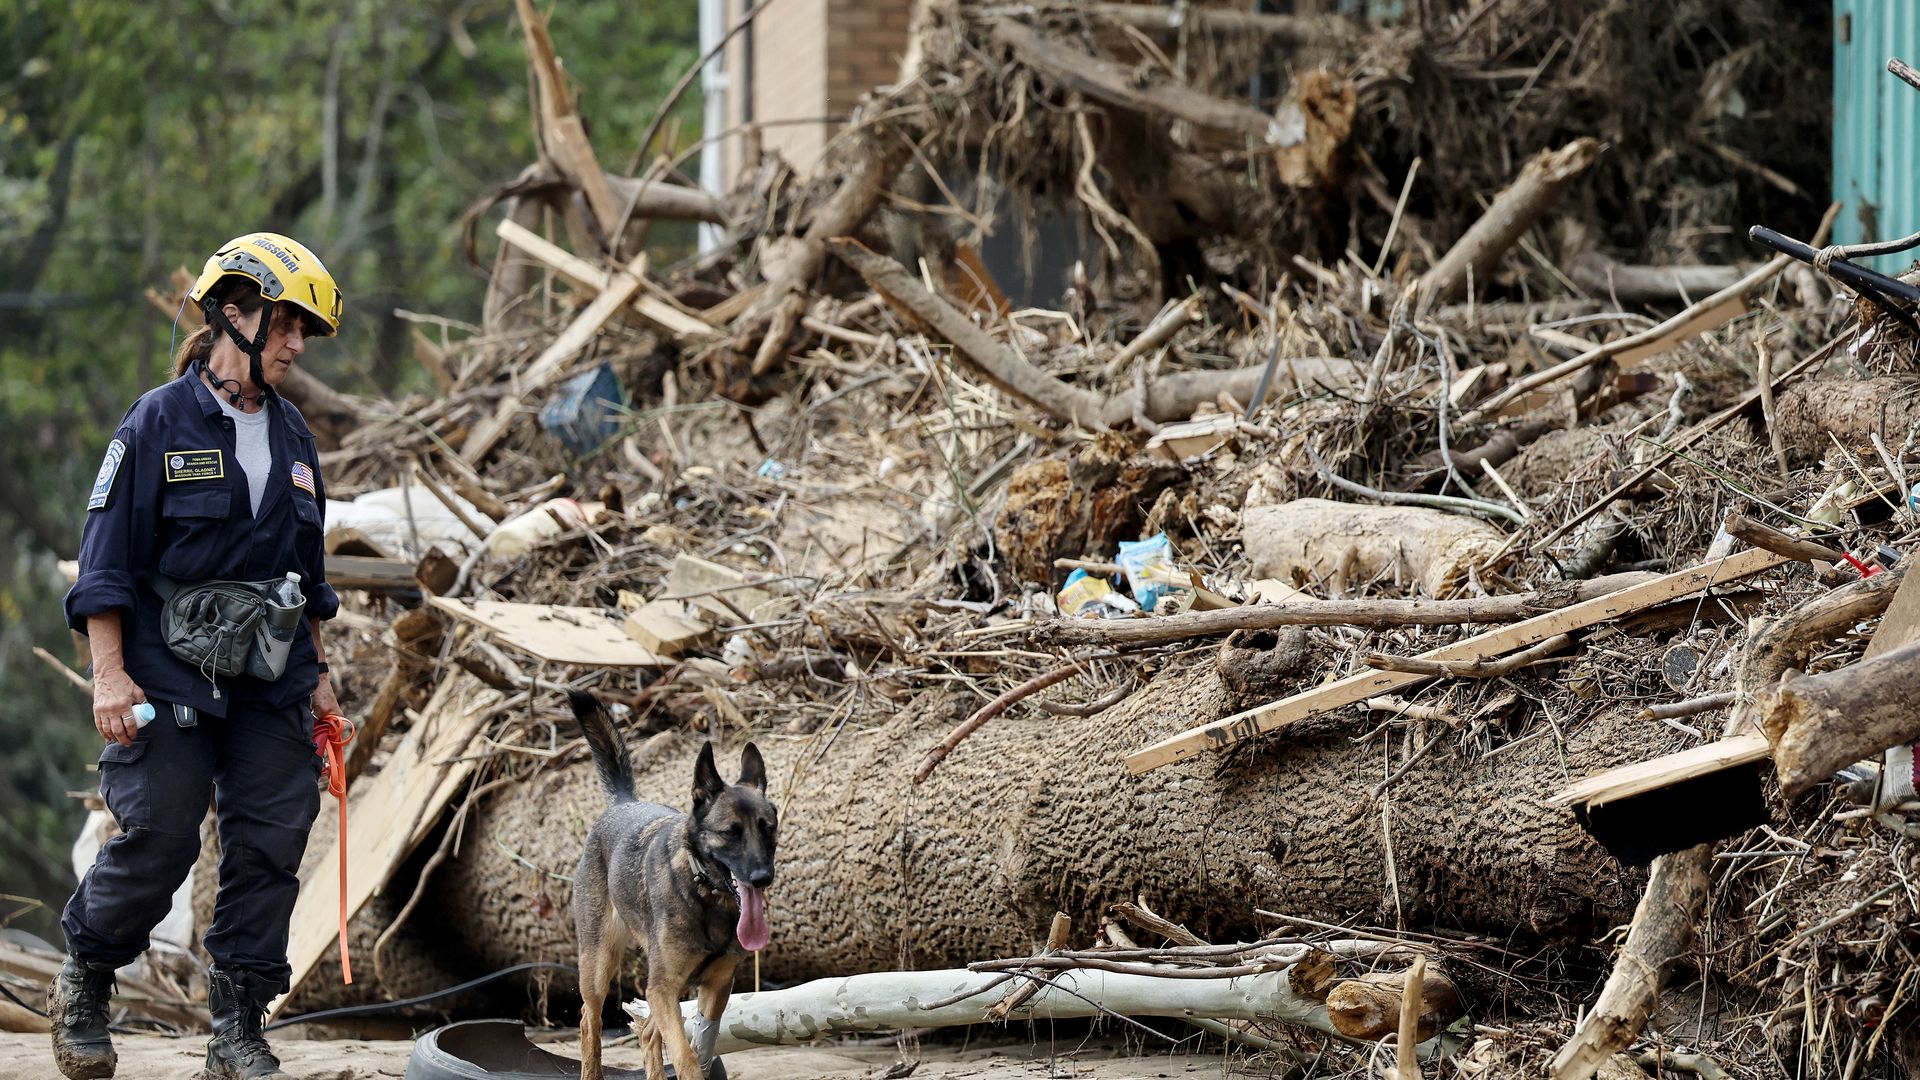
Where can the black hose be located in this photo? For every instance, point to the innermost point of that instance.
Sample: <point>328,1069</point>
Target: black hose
<point>376,1008</point>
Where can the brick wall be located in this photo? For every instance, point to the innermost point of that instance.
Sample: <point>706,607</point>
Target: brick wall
<point>864,41</point>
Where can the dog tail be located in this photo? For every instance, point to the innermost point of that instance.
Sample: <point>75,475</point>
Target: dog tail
<point>609,750</point>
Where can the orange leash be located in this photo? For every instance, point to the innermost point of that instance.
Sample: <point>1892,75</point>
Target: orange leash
<point>330,734</point>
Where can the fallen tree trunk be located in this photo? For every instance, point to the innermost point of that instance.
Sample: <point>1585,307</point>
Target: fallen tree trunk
<point>1035,815</point>
<point>1851,410</point>
<point>1819,724</point>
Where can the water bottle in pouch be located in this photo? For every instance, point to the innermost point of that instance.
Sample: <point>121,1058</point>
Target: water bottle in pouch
<point>274,640</point>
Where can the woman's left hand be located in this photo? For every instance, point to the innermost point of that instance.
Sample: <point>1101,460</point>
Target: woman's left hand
<point>324,701</point>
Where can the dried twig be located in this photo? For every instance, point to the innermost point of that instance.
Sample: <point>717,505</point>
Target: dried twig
<point>990,710</point>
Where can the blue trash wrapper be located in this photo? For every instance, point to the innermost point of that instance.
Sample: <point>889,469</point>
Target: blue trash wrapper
<point>772,470</point>
<point>1151,573</point>
<point>588,410</point>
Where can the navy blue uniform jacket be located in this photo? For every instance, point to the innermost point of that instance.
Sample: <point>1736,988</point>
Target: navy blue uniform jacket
<point>172,499</point>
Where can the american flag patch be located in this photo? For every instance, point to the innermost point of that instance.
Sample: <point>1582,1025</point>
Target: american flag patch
<point>303,477</point>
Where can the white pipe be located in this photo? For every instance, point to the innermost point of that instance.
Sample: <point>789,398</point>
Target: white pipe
<point>714,84</point>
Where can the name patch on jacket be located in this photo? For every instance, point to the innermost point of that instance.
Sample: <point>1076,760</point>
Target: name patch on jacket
<point>110,468</point>
<point>195,465</point>
<point>303,477</point>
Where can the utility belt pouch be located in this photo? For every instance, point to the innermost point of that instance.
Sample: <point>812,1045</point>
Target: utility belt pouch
<point>225,628</point>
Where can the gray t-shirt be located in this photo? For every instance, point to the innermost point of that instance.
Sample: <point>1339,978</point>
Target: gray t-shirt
<point>252,448</point>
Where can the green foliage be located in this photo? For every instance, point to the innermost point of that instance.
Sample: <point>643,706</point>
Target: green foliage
<point>134,138</point>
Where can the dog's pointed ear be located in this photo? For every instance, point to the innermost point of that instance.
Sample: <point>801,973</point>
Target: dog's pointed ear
<point>707,784</point>
<point>753,768</point>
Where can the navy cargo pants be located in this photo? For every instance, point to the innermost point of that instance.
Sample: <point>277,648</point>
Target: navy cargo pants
<point>258,767</point>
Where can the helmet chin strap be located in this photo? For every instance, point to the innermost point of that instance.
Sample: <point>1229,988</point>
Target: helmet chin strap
<point>253,347</point>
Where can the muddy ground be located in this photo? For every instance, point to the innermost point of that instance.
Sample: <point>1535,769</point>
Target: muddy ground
<point>27,1057</point>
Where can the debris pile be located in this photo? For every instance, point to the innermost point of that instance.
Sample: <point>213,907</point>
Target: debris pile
<point>1246,615</point>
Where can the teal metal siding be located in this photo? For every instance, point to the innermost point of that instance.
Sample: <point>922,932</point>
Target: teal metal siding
<point>1876,125</point>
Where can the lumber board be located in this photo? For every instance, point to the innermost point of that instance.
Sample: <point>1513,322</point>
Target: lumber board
<point>586,275</point>
<point>388,816</point>
<point>562,635</point>
<point>1630,780</point>
<point>1355,688</point>
<point>664,627</point>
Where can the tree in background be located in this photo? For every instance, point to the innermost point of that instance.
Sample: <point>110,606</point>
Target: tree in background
<point>134,138</point>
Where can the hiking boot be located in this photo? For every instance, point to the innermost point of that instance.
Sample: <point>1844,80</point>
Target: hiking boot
<point>77,1006</point>
<point>238,1050</point>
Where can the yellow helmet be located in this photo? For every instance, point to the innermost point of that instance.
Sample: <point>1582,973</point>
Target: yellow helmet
<point>284,269</point>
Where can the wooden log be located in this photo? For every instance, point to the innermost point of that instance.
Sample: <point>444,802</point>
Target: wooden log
<point>1117,84</point>
<point>1631,284</point>
<point>1662,927</point>
<point>1748,531</point>
<point>371,573</point>
<point>1540,184</point>
<point>563,137</point>
<point>1369,1007</point>
<point>589,275</point>
<point>889,1000</point>
<point>1819,724</point>
<point>996,363</point>
<point>621,287</point>
<point>503,311</point>
<point>1485,609</point>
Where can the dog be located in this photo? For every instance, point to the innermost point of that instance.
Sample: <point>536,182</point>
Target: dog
<point>689,888</point>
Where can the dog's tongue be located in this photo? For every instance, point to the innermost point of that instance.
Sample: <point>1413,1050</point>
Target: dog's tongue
<point>752,931</point>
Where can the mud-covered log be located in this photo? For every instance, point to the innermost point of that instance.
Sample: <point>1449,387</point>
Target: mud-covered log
<point>1819,724</point>
<point>1812,414</point>
<point>1039,815</point>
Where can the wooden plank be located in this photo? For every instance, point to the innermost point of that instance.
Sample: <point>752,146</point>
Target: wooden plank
<point>387,817</point>
<point>1712,318</point>
<point>665,628</point>
<point>1354,688</point>
<point>563,635</point>
<point>586,275</point>
<point>706,583</point>
<point>1616,784</point>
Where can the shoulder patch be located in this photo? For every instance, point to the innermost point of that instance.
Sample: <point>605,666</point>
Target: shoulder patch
<point>109,468</point>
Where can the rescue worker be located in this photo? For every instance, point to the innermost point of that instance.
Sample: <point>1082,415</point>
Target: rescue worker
<point>210,488</point>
